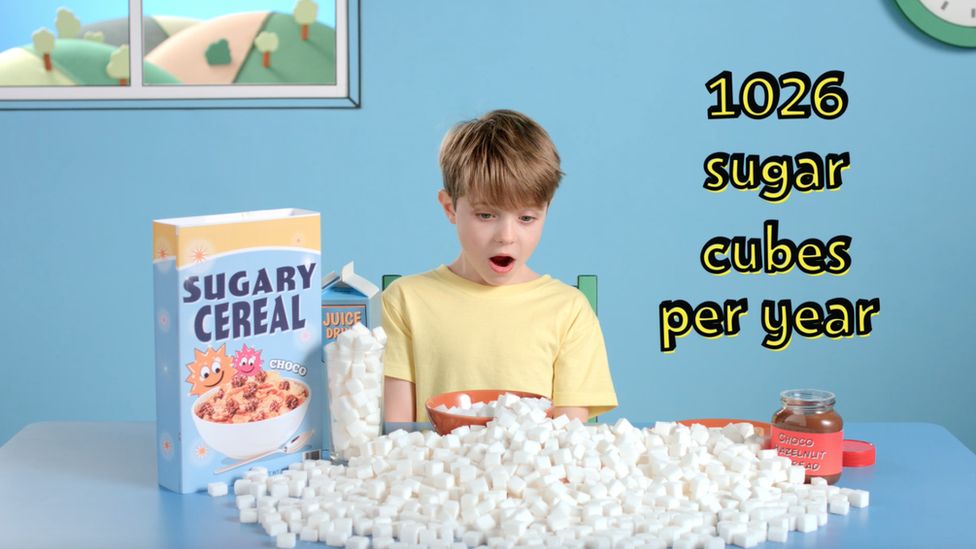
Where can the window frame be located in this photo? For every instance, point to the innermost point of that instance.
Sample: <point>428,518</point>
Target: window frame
<point>345,93</point>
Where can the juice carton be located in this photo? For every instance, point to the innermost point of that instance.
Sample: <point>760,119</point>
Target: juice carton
<point>239,377</point>
<point>348,298</point>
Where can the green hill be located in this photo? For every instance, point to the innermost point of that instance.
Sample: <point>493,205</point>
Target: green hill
<point>84,61</point>
<point>296,61</point>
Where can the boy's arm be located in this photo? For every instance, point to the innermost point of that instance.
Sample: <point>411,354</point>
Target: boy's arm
<point>581,413</point>
<point>581,376</point>
<point>398,399</point>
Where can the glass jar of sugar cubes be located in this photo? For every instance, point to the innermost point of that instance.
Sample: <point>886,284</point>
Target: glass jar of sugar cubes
<point>809,431</point>
<point>354,367</point>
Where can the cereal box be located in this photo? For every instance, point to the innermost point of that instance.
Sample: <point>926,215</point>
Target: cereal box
<point>239,376</point>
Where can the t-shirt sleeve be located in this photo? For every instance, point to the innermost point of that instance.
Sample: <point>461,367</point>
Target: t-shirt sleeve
<point>581,375</point>
<point>398,354</point>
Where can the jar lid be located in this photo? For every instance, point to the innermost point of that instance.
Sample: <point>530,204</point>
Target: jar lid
<point>858,453</point>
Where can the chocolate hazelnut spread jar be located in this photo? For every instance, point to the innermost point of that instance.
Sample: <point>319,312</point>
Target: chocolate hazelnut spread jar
<point>809,432</point>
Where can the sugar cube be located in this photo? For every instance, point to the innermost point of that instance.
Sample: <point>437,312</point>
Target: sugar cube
<point>285,540</point>
<point>217,489</point>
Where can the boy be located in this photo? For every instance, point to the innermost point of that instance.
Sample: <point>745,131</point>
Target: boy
<point>487,321</point>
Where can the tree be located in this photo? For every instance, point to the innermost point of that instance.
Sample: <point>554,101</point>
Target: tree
<point>118,65</point>
<point>67,24</point>
<point>266,42</point>
<point>95,36</point>
<point>44,45</point>
<point>305,13</point>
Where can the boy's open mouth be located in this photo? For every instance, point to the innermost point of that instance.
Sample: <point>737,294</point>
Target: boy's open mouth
<point>502,263</point>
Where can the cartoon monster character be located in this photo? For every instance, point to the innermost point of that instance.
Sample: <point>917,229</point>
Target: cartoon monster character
<point>208,369</point>
<point>247,361</point>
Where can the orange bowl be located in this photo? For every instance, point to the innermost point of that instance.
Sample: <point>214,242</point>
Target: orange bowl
<point>444,422</point>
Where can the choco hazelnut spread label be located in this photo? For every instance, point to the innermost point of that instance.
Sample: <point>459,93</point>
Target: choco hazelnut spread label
<point>820,453</point>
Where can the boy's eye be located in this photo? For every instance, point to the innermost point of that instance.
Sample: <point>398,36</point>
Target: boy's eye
<point>527,219</point>
<point>484,215</point>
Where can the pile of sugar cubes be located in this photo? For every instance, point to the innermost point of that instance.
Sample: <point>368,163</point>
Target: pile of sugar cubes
<point>526,481</point>
<point>489,409</point>
<point>354,366</point>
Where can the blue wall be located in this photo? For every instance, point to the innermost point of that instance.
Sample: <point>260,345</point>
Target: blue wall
<point>622,93</point>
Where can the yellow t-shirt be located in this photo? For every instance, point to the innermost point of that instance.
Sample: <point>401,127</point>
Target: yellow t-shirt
<point>447,333</point>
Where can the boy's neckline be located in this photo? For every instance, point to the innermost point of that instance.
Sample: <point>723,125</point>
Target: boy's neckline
<point>473,286</point>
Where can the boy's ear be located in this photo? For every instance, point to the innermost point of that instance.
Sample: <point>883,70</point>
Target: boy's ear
<point>448,205</point>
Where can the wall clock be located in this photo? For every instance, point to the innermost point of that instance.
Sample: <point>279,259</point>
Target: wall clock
<point>950,21</point>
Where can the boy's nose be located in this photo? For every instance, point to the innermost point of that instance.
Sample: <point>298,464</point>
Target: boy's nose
<point>505,233</point>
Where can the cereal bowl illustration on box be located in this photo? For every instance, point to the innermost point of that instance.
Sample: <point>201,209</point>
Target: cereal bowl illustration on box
<point>238,310</point>
<point>248,414</point>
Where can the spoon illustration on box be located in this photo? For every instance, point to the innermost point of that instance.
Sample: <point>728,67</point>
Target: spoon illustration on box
<point>290,447</point>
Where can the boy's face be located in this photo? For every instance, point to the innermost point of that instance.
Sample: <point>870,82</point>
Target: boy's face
<point>495,244</point>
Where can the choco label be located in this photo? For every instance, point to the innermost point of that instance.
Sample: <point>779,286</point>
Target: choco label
<point>820,453</point>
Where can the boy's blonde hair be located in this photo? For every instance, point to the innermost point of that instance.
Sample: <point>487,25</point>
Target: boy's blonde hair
<point>504,159</point>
